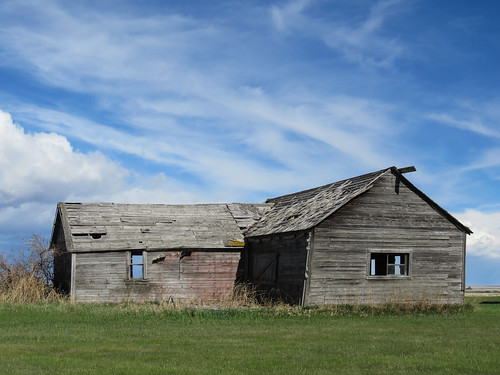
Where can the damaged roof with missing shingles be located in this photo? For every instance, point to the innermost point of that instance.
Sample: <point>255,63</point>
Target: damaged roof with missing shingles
<point>306,209</point>
<point>110,226</point>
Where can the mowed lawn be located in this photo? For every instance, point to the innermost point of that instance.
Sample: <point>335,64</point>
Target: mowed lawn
<point>101,339</point>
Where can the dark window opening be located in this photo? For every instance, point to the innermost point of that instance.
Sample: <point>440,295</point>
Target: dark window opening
<point>389,264</point>
<point>136,265</point>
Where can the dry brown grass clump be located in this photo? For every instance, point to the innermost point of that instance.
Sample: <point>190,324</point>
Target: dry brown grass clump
<point>26,275</point>
<point>26,288</point>
<point>243,297</point>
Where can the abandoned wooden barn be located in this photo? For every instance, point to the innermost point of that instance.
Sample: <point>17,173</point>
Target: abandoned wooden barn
<point>113,252</point>
<point>371,239</point>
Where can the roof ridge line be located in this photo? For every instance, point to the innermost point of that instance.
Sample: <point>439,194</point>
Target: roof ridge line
<point>361,191</point>
<point>324,186</point>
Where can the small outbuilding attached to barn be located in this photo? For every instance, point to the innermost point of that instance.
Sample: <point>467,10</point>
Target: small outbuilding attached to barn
<point>113,252</point>
<point>370,239</point>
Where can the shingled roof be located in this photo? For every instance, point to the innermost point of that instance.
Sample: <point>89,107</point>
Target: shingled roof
<point>308,208</point>
<point>110,226</point>
<point>305,209</point>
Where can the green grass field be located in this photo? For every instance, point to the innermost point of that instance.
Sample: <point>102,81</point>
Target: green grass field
<point>105,339</point>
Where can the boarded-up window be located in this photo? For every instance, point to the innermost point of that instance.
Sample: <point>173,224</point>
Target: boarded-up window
<point>265,267</point>
<point>389,264</point>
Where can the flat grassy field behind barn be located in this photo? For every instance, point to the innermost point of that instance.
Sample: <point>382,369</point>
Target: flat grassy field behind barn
<point>65,338</point>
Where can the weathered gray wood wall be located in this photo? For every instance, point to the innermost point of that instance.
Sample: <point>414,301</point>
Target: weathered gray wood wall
<point>203,275</point>
<point>288,251</point>
<point>381,220</point>
<point>198,275</point>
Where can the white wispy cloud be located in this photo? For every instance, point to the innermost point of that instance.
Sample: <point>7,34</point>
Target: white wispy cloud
<point>475,125</point>
<point>363,43</point>
<point>480,117</point>
<point>92,51</point>
<point>488,159</point>
<point>288,15</point>
<point>480,122</point>
<point>175,105</point>
<point>146,70</point>
<point>155,189</point>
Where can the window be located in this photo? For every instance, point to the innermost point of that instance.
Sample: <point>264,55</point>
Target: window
<point>136,265</point>
<point>389,264</point>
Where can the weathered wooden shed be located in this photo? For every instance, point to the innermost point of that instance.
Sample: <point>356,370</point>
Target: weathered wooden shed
<point>371,239</point>
<point>113,252</point>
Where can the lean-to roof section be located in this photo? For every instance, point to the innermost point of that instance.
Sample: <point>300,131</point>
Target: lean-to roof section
<point>110,226</point>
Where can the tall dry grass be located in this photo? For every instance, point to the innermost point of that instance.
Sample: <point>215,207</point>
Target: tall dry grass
<point>27,289</point>
<point>244,297</point>
<point>21,282</point>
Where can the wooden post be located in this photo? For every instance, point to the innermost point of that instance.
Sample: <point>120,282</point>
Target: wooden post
<point>305,289</point>
<point>72,277</point>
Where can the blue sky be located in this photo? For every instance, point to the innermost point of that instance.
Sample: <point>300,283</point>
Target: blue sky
<point>195,101</point>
